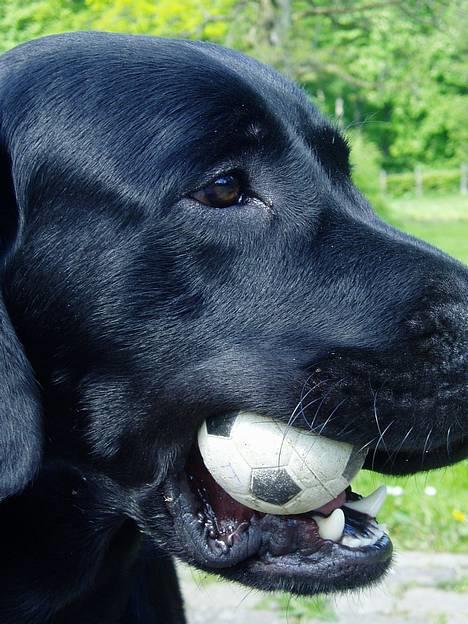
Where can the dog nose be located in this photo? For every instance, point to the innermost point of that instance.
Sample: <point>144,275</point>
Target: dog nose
<point>434,324</point>
<point>437,326</point>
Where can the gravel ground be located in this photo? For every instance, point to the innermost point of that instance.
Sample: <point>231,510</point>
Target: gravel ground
<point>423,588</point>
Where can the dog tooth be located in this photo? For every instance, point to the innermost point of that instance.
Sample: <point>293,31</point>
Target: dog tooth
<point>222,546</point>
<point>351,542</point>
<point>359,541</point>
<point>243,526</point>
<point>331,528</point>
<point>371,504</point>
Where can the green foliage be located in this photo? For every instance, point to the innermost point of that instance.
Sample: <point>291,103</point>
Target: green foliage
<point>366,166</point>
<point>401,184</point>
<point>434,181</point>
<point>185,18</point>
<point>21,20</point>
<point>366,162</point>
<point>398,67</point>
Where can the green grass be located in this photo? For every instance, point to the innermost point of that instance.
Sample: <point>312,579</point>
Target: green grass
<point>416,520</point>
<point>297,610</point>
<point>442,221</point>
<point>456,585</point>
<point>443,209</point>
<point>451,237</point>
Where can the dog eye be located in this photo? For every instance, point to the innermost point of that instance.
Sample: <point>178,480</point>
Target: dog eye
<point>222,192</point>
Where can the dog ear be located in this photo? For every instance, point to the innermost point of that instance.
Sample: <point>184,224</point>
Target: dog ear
<point>20,408</point>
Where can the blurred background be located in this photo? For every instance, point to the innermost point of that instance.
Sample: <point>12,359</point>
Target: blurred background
<point>393,76</point>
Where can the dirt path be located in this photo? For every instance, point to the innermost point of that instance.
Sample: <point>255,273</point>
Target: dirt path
<point>423,588</point>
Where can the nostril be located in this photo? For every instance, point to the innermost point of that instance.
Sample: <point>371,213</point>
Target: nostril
<point>437,314</point>
<point>438,319</point>
<point>422,325</point>
<point>439,333</point>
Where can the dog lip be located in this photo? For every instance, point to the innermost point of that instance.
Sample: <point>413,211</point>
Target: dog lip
<point>332,568</point>
<point>408,462</point>
<point>379,552</point>
<point>284,545</point>
<point>205,551</point>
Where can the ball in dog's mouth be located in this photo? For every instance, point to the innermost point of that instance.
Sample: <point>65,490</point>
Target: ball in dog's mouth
<point>337,545</point>
<point>273,467</point>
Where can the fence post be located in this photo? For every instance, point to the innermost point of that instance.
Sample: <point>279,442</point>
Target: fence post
<point>464,179</point>
<point>418,180</point>
<point>339,110</point>
<point>383,181</point>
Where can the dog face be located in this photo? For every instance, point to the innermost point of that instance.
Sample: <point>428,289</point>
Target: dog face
<point>183,239</point>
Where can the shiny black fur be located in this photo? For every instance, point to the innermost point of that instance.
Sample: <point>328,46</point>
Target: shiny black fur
<point>131,312</point>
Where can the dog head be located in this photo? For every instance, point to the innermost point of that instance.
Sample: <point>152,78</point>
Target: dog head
<point>183,239</point>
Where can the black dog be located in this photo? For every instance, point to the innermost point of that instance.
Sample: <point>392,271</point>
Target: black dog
<point>181,239</point>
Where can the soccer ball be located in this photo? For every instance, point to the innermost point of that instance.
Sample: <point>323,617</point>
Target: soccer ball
<point>274,468</point>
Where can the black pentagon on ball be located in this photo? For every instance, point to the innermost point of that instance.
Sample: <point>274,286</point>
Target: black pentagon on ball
<point>221,425</point>
<point>355,461</point>
<point>273,485</point>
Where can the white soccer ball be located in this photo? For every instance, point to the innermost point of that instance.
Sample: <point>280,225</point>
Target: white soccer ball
<point>274,468</point>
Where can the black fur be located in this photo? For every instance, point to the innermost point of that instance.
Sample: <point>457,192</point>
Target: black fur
<point>142,312</point>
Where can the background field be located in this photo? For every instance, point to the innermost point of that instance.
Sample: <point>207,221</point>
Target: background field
<point>428,511</point>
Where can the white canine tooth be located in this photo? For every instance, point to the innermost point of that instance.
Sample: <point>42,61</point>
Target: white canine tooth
<point>351,542</point>
<point>331,528</point>
<point>359,541</point>
<point>371,504</point>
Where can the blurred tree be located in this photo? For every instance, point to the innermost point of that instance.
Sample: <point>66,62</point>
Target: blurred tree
<point>21,20</point>
<point>195,19</point>
<point>396,68</point>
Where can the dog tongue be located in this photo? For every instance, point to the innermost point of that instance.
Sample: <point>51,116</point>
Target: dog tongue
<point>225,507</point>
<point>332,505</point>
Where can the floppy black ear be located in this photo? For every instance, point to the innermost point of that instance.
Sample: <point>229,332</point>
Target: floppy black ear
<point>20,412</point>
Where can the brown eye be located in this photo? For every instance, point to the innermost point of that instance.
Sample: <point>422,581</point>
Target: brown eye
<point>224,191</point>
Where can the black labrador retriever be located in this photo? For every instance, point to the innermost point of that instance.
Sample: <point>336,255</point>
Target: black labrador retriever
<point>181,239</point>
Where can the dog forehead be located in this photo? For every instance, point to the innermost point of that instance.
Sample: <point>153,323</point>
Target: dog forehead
<point>139,80</point>
<point>151,115</point>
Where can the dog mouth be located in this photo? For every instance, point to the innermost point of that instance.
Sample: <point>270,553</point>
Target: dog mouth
<point>340,545</point>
